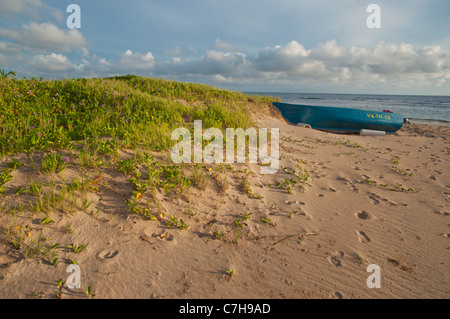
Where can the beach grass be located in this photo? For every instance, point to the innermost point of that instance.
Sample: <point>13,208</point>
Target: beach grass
<point>123,111</point>
<point>73,135</point>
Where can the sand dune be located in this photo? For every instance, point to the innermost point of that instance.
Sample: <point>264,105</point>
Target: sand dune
<point>364,200</point>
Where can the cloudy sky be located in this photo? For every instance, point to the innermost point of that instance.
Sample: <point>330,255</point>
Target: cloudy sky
<point>321,46</point>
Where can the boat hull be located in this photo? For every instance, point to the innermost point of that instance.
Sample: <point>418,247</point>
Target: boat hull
<point>340,119</point>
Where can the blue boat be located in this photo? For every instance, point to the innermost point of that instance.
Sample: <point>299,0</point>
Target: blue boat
<point>340,119</point>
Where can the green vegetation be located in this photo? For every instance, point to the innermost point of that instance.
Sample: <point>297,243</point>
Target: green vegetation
<point>266,220</point>
<point>53,163</point>
<point>76,248</point>
<point>85,123</point>
<point>398,170</point>
<point>301,175</point>
<point>218,234</point>
<point>230,272</point>
<point>78,139</point>
<point>89,292</point>
<point>126,111</point>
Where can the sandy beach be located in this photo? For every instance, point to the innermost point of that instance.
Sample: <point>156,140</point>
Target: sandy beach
<point>365,200</point>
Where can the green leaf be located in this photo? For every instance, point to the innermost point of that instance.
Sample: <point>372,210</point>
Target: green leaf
<point>47,220</point>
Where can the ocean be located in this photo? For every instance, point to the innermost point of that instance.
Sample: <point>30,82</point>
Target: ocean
<point>417,108</point>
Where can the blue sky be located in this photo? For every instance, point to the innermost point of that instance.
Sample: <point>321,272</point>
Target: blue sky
<point>248,45</point>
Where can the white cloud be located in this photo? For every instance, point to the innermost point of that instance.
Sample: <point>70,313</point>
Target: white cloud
<point>95,67</point>
<point>103,62</point>
<point>281,59</point>
<point>193,50</point>
<point>32,9</point>
<point>222,45</point>
<point>6,47</point>
<point>130,61</point>
<point>222,79</point>
<point>329,50</point>
<point>337,64</point>
<point>217,62</point>
<point>51,63</point>
<point>84,52</point>
<point>45,36</point>
<point>8,7</point>
<point>212,63</point>
<point>393,65</point>
<point>175,52</point>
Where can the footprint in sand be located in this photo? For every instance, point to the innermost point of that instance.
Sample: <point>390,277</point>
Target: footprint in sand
<point>355,189</point>
<point>149,235</point>
<point>335,295</point>
<point>107,254</point>
<point>362,237</point>
<point>374,200</point>
<point>335,259</point>
<point>363,215</point>
<point>163,236</point>
<point>399,264</point>
<point>338,295</point>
